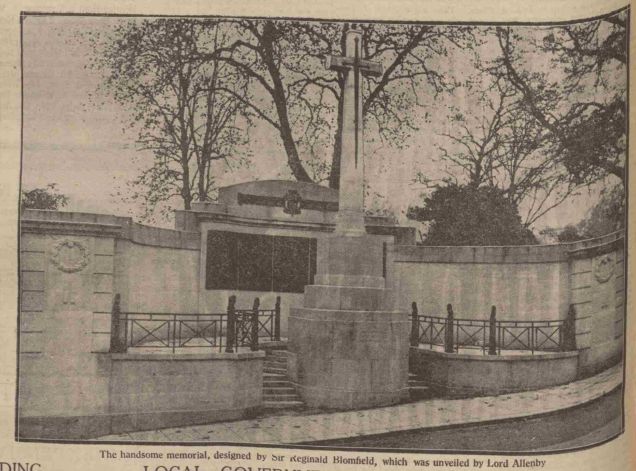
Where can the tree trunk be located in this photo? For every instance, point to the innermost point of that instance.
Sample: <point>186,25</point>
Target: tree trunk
<point>280,101</point>
<point>187,202</point>
<point>202,175</point>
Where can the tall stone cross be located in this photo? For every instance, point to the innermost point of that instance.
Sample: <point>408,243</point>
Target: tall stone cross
<point>350,218</point>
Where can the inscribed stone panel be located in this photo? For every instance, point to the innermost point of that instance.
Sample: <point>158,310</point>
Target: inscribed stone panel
<point>221,268</point>
<point>259,262</point>
<point>254,262</point>
<point>292,263</point>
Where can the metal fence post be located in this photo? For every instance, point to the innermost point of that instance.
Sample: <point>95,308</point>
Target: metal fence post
<point>415,326</point>
<point>277,319</point>
<point>492,332</point>
<point>254,339</point>
<point>569,330</point>
<point>230,328</point>
<point>449,337</point>
<point>117,344</point>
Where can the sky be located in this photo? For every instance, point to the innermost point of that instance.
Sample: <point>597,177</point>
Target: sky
<point>78,144</point>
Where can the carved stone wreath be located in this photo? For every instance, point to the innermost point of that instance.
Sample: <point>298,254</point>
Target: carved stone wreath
<point>69,256</point>
<point>603,267</point>
<point>292,202</point>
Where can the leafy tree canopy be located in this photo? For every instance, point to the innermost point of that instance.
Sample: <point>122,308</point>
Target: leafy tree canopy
<point>188,113</point>
<point>570,233</point>
<point>43,198</point>
<point>583,106</point>
<point>607,216</point>
<point>469,215</point>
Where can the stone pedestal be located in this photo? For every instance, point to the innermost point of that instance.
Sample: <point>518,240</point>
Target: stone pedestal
<point>348,349</point>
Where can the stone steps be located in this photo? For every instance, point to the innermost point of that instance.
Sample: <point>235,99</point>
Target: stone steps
<point>274,376</point>
<point>418,388</point>
<point>283,404</point>
<point>278,391</point>
<point>416,383</point>
<point>280,397</point>
<point>278,371</point>
<point>275,383</point>
<point>282,389</point>
<point>276,355</point>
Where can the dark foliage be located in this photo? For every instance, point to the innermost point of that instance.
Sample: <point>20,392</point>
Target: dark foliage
<point>469,215</point>
<point>43,198</point>
<point>569,233</point>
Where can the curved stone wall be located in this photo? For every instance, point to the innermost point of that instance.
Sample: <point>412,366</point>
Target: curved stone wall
<point>72,265</point>
<point>524,283</point>
<point>458,374</point>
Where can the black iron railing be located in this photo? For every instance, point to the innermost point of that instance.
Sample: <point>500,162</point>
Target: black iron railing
<point>227,331</point>
<point>492,336</point>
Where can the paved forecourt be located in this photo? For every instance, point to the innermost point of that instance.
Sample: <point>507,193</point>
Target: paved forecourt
<point>424,414</point>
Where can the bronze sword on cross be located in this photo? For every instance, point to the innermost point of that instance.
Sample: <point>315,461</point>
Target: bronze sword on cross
<point>352,61</point>
<point>350,218</point>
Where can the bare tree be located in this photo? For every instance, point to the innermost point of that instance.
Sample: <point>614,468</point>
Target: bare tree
<point>583,104</point>
<point>505,147</point>
<point>295,94</point>
<point>186,112</point>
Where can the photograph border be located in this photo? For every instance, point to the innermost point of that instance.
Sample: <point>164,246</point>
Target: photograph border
<point>26,14</point>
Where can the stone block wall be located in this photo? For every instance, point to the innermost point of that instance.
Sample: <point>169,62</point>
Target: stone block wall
<point>150,391</point>
<point>597,287</point>
<point>525,283</point>
<point>71,266</point>
<point>66,298</point>
<point>523,291</point>
<point>474,375</point>
<point>157,279</point>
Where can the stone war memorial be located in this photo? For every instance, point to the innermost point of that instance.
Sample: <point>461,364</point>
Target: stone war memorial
<point>348,346</point>
<point>283,306</point>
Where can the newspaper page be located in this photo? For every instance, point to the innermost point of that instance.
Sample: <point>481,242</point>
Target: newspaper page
<point>315,236</point>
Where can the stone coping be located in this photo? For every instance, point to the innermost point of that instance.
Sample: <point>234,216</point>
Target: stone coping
<point>542,356</point>
<point>600,248</point>
<point>70,228</point>
<point>219,212</point>
<point>104,225</point>
<point>307,190</point>
<point>214,356</point>
<point>347,315</point>
<point>554,253</point>
<point>273,344</point>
